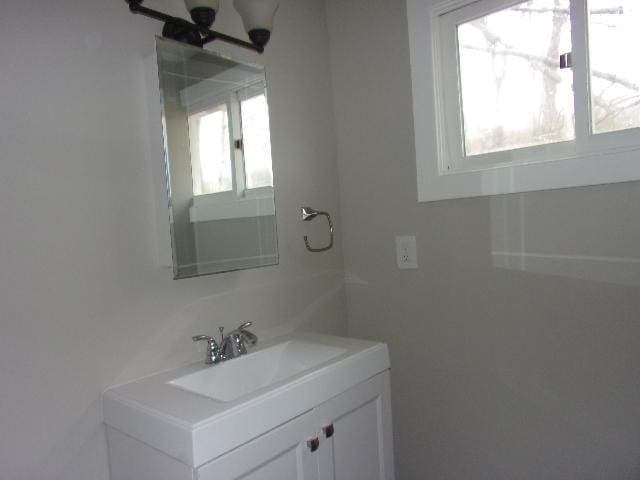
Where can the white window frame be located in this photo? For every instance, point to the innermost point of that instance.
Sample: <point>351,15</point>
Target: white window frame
<point>589,160</point>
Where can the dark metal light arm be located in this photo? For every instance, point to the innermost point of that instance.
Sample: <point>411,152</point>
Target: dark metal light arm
<point>207,34</point>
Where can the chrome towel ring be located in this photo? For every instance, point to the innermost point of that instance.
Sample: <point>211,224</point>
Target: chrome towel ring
<point>309,214</point>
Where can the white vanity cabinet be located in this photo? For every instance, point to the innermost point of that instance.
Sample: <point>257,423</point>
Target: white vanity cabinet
<point>281,454</point>
<point>345,438</point>
<point>356,435</point>
<point>327,421</point>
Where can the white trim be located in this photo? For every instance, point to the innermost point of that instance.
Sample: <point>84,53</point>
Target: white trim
<point>606,158</point>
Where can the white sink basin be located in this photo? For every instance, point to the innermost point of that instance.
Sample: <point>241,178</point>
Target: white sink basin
<point>235,378</point>
<point>197,413</point>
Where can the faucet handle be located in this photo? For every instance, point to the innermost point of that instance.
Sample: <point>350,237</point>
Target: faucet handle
<point>207,338</point>
<point>246,334</point>
<point>212,348</point>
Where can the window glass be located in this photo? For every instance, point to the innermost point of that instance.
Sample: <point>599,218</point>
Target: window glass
<point>210,151</point>
<point>614,36</point>
<point>256,142</point>
<point>514,93</point>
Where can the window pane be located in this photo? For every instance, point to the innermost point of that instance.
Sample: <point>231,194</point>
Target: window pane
<point>256,142</point>
<point>210,151</point>
<point>514,93</point>
<point>614,36</point>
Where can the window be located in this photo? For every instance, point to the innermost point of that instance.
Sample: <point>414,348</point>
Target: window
<point>614,76</point>
<point>230,145</point>
<point>520,83</point>
<point>209,141</point>
<point>257,145</point>
<point>514,95</point>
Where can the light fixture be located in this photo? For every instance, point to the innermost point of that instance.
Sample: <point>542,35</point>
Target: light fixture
<point>203,12</point>
<point>257,17</point>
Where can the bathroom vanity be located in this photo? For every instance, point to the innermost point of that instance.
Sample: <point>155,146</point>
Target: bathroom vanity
<point>303,406</point>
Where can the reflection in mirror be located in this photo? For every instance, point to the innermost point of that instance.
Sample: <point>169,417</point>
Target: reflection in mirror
<point>217,146</point>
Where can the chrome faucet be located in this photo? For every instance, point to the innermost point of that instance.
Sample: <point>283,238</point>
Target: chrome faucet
<point>234,344</point>
<point>231,346</point>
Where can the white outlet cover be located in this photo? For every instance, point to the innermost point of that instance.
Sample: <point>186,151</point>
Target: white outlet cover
<point>406,252</point>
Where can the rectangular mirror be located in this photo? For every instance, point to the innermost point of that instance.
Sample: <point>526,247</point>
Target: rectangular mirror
<point>215,120</point>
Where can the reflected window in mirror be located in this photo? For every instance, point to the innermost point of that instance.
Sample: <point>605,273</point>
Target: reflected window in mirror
<point>256,141</point>
<point>216,132</point>
<point>210,151</point>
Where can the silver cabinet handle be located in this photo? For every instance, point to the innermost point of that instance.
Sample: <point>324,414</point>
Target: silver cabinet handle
<point>313,444</point>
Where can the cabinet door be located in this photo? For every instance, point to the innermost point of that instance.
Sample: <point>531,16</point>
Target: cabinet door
<point>281,454</point>
<point>356,438</point>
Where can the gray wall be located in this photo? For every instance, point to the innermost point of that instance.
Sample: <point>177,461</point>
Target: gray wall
<point>84,302</point>
<point>516,344</point>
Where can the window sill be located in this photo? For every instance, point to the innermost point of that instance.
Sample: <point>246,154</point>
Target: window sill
<point>606,167</point>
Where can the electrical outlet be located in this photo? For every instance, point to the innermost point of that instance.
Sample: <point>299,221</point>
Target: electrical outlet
<point>406,252</point>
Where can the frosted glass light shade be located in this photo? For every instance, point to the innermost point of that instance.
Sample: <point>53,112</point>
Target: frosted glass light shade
<point>213,4</point>
<point>257,14</point>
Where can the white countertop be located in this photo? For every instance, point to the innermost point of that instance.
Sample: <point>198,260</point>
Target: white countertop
<point>196,429</point>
